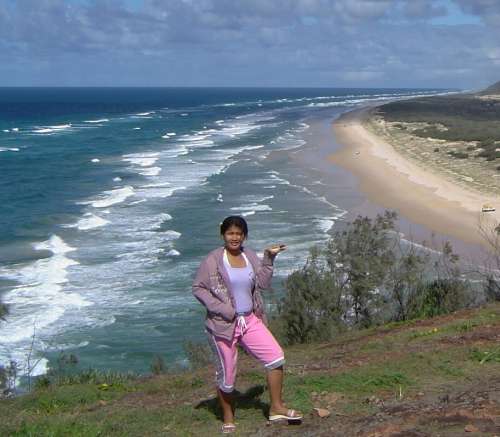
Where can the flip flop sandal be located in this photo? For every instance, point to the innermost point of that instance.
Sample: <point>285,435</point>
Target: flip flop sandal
<point>228,428</point>
<point>290,415</point>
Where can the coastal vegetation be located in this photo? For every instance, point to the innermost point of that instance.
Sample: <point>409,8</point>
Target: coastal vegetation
<point>458,135</point>
<point>377,333</point>
<point>451,118</point>
<point>366,276</point>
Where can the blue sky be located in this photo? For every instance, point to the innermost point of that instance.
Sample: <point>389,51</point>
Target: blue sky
<point>319,43</point>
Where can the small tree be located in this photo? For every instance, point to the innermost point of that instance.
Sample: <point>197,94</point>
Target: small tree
<point>8,378</point>
<point>312,308</point>
<point>362,256</point>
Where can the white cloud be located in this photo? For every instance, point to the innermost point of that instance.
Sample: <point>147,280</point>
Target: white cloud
<point>245,42</point>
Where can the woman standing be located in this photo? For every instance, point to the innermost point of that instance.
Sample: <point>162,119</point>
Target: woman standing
<point>228,284</point>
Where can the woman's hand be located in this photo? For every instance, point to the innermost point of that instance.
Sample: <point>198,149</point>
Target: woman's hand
<point>275,249</point>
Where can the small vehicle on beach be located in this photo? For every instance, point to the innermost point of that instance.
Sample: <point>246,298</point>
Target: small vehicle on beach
<point>487,207</point>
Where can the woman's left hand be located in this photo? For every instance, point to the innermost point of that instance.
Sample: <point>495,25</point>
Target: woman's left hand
<point>275,249</point>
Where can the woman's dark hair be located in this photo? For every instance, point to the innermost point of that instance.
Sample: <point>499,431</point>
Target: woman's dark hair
<point>234,220</point>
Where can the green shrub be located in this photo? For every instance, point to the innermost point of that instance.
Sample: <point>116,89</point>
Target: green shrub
<point>366,276</point>
<point>440,296</point>
<point>492,289</point>
<point>312,309</point>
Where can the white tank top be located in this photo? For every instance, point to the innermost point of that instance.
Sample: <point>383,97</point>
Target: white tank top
<point>241,284</point>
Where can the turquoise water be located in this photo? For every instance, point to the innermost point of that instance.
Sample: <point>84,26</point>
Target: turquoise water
<point>111,197</point>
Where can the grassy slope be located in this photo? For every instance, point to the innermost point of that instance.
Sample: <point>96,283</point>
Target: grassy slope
<point>430,377</point>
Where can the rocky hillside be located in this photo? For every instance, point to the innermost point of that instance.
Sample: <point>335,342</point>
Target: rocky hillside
<point>434,377</point>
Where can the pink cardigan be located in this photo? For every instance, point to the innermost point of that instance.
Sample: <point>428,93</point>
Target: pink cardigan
<point>212,288</point>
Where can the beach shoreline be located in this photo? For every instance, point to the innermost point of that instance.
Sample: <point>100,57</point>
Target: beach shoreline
<point>338,186</point>
<point>394,182</point>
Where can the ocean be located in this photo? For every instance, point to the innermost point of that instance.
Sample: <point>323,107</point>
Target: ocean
<point>110,198</point>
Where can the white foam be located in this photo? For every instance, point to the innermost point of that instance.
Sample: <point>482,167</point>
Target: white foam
<point>54,244</point>
<point>6,130</point>
<point>158,190</point>
<point>101,120</point>
<point>193,138</point>
<point>176,151</point>
<point>111,197</point>
<point>169,134</point>
<point>136,128</point>
<point>136,202</point>
<point>172,235</point>
<point>141,159</point>
<point>279,180</point>
<point>144,114</point>
<point>237,129</point>
<point>60,127</point>
<point>117,179</point>
<point>52,129</point>
<point>40,299</point>
<point>9,149</point>
<point>252,207</point>
<point>173,252</point>
<point>95,160</point>
<point>325,224</point>
<point>43,131</point>
<point>151,171</point>
<point>66,346</point>
<point>15,129</point>
<point>158,185</point>
<point>219,198</point>
<point>184,114</point>
<point>88,221</point>
<point>160,220</point>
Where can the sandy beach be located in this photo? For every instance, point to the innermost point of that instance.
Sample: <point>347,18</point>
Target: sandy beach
<point>422,196</point>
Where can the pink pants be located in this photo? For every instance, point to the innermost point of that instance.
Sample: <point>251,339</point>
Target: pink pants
<point>257,341</point>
